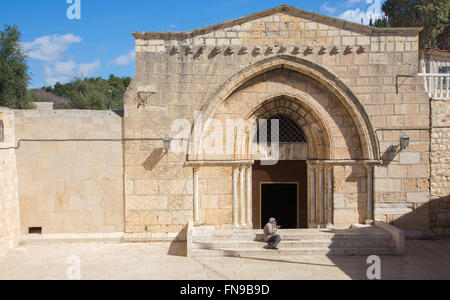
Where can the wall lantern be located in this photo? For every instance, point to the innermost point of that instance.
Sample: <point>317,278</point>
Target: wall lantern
<point>166,142</point>
<point>404,141</point>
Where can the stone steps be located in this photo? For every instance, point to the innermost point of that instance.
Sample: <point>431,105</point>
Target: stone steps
<point>264,253</point>
<point>290,237</point>
<point>249,243</point>
<point>301,244</point>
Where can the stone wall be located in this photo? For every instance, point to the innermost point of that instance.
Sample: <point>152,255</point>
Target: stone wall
<point>158,188</point>
<point>440,168</point>
<point>73,185</point>
<point>178,73</point>
<point>402,182</point>
<point>9,197</point>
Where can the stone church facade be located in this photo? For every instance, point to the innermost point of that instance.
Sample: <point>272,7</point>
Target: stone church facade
<point>335,79</point>
<point>344,95</point>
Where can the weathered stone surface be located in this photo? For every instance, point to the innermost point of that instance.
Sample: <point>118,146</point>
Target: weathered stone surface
<point>9,197</point>
<point>440,168</point>
<point>369,72</point>
<point>71,186</point>
<point>280,62</point>
<point>409,158</point>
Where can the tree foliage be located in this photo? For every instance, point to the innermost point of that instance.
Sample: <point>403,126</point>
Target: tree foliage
<point>93,93</point>
<point>432,15</point>
<point>14,76</point>
<point>443,40</point>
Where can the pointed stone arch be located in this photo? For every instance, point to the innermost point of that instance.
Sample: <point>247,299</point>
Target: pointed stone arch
<point>325,77</point>
<point>303,112</point>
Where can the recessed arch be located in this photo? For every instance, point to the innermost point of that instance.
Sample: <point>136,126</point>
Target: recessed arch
<point>289,130</point>
<point>303,112</point>
<point>325,77</point>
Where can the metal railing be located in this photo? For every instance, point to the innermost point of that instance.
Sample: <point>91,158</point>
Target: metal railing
<point>437,85</point>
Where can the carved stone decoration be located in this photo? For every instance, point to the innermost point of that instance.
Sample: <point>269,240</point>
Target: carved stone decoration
<point>348,50</point>
<point>174,51</point>
<point>296,50</point>
<point>282,49</point>
<point>243,51</point>
<point>309,50</point>
<point>200,51</point>
<point>214,52</point>
<point>323,50</point>
<point>189,50</point>
<point>335,51</point>
<point>362,49</point>
<point>229,51</point>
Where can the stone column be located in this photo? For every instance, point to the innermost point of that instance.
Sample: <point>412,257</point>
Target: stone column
<point>329,174</point>
<point>320,198</point>
<point>235,196</point>
<point>249,197</point>
<point>196,198</point>
<point>370,194</point>
<point>242,196</point>
<point>312,195</point>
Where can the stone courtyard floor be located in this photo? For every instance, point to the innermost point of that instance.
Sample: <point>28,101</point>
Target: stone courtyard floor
<point>423,260</point>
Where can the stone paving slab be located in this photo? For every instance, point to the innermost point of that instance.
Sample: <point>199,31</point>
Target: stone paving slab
<point>423,260</point>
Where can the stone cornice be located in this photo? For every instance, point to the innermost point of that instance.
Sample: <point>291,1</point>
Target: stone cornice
<point>368,30</point>
<point>200,163</point>
<point>345,162</point>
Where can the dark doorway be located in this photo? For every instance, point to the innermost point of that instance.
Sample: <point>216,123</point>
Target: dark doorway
<point>280,191</point>
<point>281,200</point>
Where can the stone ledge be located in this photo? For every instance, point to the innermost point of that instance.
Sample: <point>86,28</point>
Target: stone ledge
<point>153,237</point>
<point>398,235</point>
<point>72,238</point>
<point>199,163</point>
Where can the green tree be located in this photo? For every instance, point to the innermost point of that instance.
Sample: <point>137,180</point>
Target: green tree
<point>432,15</point>
<point>14,76</point>
<point>93,93</point>
<point>382,22</point>
<point>443,40</point>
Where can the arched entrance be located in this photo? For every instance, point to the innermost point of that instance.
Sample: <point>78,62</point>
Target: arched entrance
<point>280,185</point>
<point>280,190</point>
<point>340,142</point>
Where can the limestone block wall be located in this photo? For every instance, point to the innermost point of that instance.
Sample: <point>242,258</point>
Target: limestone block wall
<point>440,168</point>
<point>350,195</point>
<point>9,197</point>
<point>74,185</point>
<point>177,73</point>
<point>215,190</point>
<point>158,189</point>
<point>402,183</point>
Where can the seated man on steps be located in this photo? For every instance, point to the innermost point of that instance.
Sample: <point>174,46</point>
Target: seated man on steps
<point>270,235</point>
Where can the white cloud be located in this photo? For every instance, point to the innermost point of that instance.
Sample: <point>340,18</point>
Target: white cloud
<point>50,47</point>
<point>327,8</point>
<point>126,59</point>
<point>355,15</point>
<point>89,69</point>
<point>350,3</point>
<point>64,71</point>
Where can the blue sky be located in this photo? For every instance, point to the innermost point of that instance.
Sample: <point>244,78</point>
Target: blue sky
<point>100,43</point>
